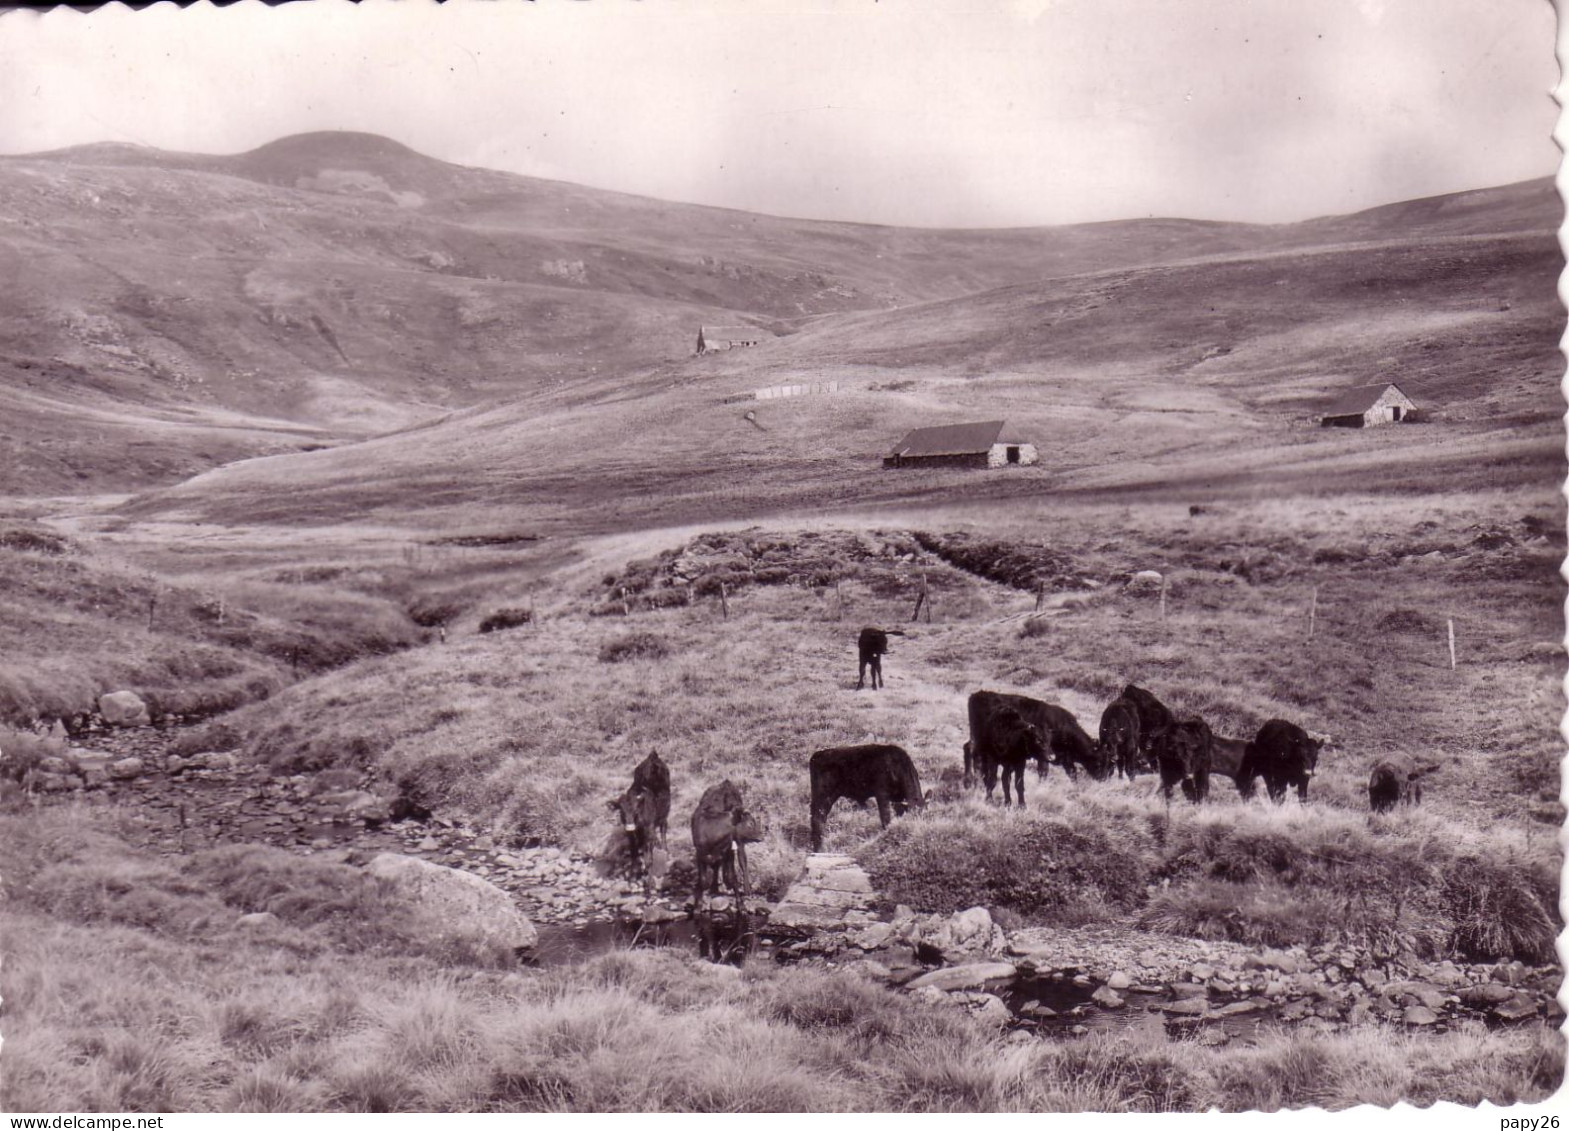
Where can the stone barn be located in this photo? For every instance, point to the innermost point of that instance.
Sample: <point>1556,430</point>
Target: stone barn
<point>960,445</point>
<point>1369,405</point>
<point>711,339</point>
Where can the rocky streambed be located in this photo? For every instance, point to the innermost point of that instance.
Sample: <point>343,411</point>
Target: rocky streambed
<point>1050,981</point>
<point>176,804</point>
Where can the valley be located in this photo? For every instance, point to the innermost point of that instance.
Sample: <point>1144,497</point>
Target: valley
<point>280,432</point>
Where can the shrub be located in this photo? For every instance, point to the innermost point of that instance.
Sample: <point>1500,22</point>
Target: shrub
<point>506,618</point>
<point>33,539</point>
<point>1035,627</point>
<point>1041,868</point>
<point>634,646</point>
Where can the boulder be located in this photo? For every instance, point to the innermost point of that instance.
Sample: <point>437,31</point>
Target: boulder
<point>872,937</point>
<point>123,709</point>
<point>988,1008</point>
<point>1118,981</point>
<point>356,805</point>
<point>966,977</point>
<point>85,759</point>
<point>1420,1015</point>
<point>1517,1008</point>
<point>1145,579</point>
<point>125,768</point>
<point>1488,993</point>
<point>1107,998</point>
<point>448,902</point>
<point>971,930</point>
<point>257,919</point>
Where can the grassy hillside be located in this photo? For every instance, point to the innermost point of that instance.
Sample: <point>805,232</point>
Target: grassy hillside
<point>332,286</point>
<point>1192,379</point>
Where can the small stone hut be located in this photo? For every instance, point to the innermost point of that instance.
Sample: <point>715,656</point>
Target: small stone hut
<point>711,339</point>
<point>960,445</point>
<point>1368,405</point>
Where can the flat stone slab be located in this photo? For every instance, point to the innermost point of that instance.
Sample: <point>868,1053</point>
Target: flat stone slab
<point>832,893</point>
<point>966,977</point>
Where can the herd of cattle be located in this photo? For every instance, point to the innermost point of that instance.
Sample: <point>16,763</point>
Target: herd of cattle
<point>1138,734</point>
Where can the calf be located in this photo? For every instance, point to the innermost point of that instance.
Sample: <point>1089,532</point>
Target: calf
<point>1119,737</point>
<point>1226,756</point>
<point>1283,755</point>
<point>654,776</point>
<point>985,738</point>
<point>638,812</point>
<point>1393,782</point>
<point>1072,748</point>
<point>722,827</point>
<point>862,773</point>
<point>1154,716</point>
<point>872,646</point>
<point>1007,741</point>
<point>1183,752</point>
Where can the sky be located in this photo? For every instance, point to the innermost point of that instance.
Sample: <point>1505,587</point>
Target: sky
<point>959,113</point>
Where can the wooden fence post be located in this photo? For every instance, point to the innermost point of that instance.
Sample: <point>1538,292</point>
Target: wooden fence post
<point>1040,597</point>
<point>724,601</point>
<point>1451,644</point>
<point>626,608</point>
<point>1312,612</point>
<point>838,601</point>
<point>922,601</point>
<point>1162,596</point>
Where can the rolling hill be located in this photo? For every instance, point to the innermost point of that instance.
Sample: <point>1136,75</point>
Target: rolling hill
<point>166,313</point>
<point>1198,379</point>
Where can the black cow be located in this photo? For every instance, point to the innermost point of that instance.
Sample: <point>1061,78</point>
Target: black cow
<point>1154,716</point>
<point>1182,755</point>
<point>638,813</point>
<point>983,707</point>
<point>1395,781</point>
<point>1072,748</point>
<point>1283,755</point>
<point>862,773</point>
<point>653,775</point>
<point>872,645</point>
<point>722,827</point>
<point>1119,737</point>
<point>1226,756</point>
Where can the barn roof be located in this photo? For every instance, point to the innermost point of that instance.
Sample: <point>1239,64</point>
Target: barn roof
<point>733,334</point>
<point>950,439</point>
<point>1356,401</point>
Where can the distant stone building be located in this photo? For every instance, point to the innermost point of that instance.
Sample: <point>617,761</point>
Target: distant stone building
<point>960,445</point>
<point>1369,405</point>
<point>713,338</point>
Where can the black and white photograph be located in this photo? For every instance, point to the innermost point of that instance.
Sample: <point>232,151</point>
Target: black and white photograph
<point>787,556</point>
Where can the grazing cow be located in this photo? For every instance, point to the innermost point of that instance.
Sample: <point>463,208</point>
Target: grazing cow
<point>1393,782</point>
<point>1182,754</point>
<point>873,646</point>
<point>983,707</point>
<point>862,773</point>
<point>1154,716</point>
<point>653,775</point>
<point>1119,737</point>
<point>1226,756</point>
<point>1072,748</point>
<point>722,827</point>
<point>1283,755</point>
